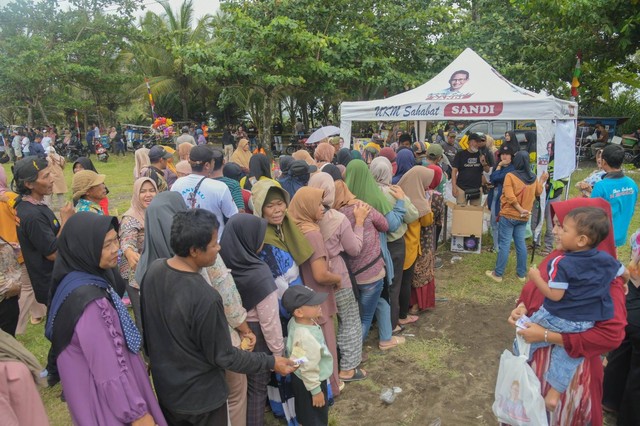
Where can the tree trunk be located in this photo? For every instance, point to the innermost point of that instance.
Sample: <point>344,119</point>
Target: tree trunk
<point>184,103</point>
<point>44,115</point>
<point>29,114</point>
<point>267,119</point>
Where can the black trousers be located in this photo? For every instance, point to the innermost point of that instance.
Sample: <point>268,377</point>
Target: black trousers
<point>621,386</point>
<point>217,417</point>
<point>9,313</point>
<point>396,249</point>
<point>405,291</point>
<point>306,413</point>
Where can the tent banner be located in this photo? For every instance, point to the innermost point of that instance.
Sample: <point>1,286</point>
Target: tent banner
<point>565,149</point>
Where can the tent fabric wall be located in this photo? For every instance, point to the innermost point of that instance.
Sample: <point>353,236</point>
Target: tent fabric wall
<point>484,95</point>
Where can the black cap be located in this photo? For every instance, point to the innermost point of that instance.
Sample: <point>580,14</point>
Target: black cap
<point>300,168</point>
<point>157,152</point>
<point>477,136</point>
<point>200,154</point>
<point>29,167</point>
<point>299,295</point>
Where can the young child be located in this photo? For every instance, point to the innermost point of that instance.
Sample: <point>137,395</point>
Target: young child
<point>306,346</point>
<point>577,293</point>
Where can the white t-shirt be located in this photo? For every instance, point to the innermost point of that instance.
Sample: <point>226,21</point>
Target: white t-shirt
<point>46,142</point>
<point>96,132</point>
<point>212,195</point>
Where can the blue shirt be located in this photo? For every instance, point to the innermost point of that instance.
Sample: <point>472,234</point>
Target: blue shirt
<point>621,193</point>
<point>585,276</point>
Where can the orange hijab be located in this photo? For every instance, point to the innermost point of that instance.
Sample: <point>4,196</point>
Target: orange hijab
<point>304,209</point>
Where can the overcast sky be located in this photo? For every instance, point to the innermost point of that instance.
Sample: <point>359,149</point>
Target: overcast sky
<point>201,7</point>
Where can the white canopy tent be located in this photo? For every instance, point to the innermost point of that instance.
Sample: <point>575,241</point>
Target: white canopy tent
<point>471,89</point>
<point>484,95</point>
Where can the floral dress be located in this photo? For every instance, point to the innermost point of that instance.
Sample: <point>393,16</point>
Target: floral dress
<point>131,237</point>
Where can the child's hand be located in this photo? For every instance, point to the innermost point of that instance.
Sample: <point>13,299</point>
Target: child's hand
<point>534,273</point>
<point>318,400</point>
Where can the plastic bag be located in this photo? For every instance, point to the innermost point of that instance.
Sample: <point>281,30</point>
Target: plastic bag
<point>518,399</point>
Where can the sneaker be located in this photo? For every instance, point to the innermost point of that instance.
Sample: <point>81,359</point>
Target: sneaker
<point>522,279</point>
<point>493,276</point>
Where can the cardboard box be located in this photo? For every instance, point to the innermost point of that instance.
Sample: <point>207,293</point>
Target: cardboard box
<point>466,228</point>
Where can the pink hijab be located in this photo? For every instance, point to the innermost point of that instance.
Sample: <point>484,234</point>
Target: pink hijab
<point>332,218</point>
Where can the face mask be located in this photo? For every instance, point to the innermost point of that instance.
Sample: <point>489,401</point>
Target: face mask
<point>473,150</point>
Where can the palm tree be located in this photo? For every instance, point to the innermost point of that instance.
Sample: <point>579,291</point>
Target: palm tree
<point>158,56</point>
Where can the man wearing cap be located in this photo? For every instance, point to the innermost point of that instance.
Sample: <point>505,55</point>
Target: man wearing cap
<point>449,146</point>
<point>199,191</point>
<point>466,176</point>
<point>185,137</point>
<point>435,155</point>
<point>38,231</point>
<point>158,158</point>
<point>233,185</point>
<point>88,190</point>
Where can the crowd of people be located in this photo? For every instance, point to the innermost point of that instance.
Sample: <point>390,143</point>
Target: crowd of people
<point>252,285</point>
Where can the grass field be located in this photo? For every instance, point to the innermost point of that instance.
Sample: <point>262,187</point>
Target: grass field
<point>434,352</point>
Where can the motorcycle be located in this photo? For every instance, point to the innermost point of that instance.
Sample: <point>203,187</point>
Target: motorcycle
<point>101,151</point>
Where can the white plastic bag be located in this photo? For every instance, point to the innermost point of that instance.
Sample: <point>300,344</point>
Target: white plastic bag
<point>518,400</point>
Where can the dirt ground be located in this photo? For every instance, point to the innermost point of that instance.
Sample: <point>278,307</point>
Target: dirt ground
<point>446,370</point>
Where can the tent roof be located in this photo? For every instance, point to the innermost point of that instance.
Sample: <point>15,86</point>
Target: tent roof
<point>485,94</point>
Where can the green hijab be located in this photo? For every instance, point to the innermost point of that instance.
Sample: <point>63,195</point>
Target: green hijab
<point>360,182</point>
<point>356,155</point>
<point>287,236</point>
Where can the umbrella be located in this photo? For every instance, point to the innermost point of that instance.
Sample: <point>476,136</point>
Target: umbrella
<point>321,133</point>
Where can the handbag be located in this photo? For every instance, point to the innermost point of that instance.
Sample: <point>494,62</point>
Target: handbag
<point>518,398</point>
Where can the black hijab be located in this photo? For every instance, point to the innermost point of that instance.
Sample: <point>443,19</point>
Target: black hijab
<point>232,171</point>
<point>242,238</point>
<point>79,251</point>
<point>333,171</point>
<point>158,218</point>
<point>86,163</point>
<point>513,143</point>
<point>344,156</point>
<point>259,166</point>
<point>532,142</point>
<point>522,168</point>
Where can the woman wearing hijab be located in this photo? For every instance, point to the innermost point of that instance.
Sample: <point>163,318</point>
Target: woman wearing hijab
<point>356,155</point>
<point>104,378</point>
<point>56,165</point>
<point>285,248</point>
<point>324,154</point>
<point>381,171</point>
<point>306,210</point>
<point>344,156</point>
<point>339,237</point>
<point>405,160</point>
<point>423,289</point>
<point>20,376</point>
<point>303,154</point>
<point>84,163</point>
<point>88,191</point>
<point>519,191</point>
<point>368,268</point>
<point>240,244</point>
<point>170,173</point>
<point>390,155</point>
<point>416,182</point>
<point>132,238</point>
<point>8,232</point>
<point>184,149</point>
<point>581,404</point>
<point>511,140</point>
<point>242,155</point>
<point>503,166</point>
<point>259,169</point>
<point>141,162</point>
<point>284,161</point>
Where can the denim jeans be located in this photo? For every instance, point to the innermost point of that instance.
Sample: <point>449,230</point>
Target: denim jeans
<point>371,303</point>
<point>562,367</point>
<point>509,229</point>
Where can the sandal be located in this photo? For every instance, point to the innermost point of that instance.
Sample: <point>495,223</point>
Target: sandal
<point>399,329</point>
<point>410,319</point>
<point>358,375</point>
<point>395,341</point>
